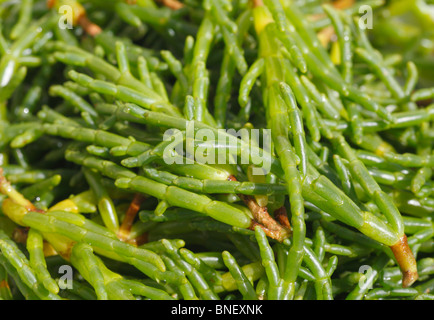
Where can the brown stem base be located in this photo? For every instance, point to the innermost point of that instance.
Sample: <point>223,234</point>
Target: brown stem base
<point>406,261</point>
<point>257,3</point>
<point>172,4</point>
<point>130,215</point>
<point>279,235</point>
<point>262,217</point>
<point>282,217</point>
<point>278,230</point>
<point>88,26</point>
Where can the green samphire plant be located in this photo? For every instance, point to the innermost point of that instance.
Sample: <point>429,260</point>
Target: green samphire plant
<point>216,149</point>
